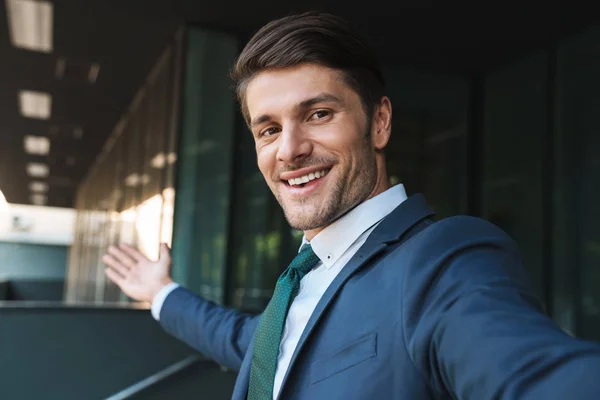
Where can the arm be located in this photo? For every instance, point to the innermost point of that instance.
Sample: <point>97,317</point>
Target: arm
<point>220,333</point>
<point>476,331</point>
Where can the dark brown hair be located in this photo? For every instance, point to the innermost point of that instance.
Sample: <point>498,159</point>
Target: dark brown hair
<point>316,38</point>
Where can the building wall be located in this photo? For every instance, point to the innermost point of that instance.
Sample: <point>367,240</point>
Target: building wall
<point>34,247</point>
<point>32,261</point>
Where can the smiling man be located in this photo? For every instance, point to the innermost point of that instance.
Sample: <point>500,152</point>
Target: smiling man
<point>381,302</point>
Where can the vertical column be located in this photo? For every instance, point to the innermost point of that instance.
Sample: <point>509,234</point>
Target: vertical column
<point>204,163</point>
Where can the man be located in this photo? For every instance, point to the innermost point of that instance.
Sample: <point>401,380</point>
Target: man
<point>381,301</point>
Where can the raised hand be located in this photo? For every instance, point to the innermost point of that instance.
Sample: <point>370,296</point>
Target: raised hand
<point>138,277</point>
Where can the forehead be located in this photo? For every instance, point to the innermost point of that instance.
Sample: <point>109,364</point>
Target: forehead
<point>274,90</point>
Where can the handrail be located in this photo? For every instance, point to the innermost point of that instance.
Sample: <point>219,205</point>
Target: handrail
<point>60,304</point>
<point>138,387</point>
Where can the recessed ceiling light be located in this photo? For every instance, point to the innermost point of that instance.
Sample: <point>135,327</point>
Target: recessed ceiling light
<point>171,158</point>
<point>38,187</point>
<point>159,161</point>
<point>30,24</point>
<point>37,170</point>
<point>39,199</point>
<point>36,105</point>
<point>132,180</point>
<point>37,145</point>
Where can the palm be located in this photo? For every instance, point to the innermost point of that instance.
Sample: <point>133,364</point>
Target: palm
<point>138,277</point>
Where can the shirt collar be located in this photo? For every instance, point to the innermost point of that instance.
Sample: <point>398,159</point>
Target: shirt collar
<point>333,241</point>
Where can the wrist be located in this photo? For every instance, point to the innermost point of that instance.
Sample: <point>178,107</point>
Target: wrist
<point>159,287</point>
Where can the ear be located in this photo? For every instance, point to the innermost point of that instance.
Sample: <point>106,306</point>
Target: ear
<point>381,127</point>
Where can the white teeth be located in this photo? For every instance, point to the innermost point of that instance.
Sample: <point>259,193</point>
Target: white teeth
<point>307,178</point>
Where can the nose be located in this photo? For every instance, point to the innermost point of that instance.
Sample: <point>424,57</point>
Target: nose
<point>294,145</point>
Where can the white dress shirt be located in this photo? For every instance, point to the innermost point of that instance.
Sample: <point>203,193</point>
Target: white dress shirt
<point>335,245</point>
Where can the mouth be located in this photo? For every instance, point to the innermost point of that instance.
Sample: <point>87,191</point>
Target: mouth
<point>303,180</point>
<point>306,184</point>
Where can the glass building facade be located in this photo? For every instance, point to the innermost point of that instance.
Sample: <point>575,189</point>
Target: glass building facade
<point>129,193</point>
<point>516,145</point>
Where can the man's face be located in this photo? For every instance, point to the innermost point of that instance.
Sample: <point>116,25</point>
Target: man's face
<point>312,143</point>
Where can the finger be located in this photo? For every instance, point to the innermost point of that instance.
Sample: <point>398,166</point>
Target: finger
<point>116,265</point>
<point>115,277</point>
<point>132,252</point>
<point>164,251</point>
<point>121,257</point>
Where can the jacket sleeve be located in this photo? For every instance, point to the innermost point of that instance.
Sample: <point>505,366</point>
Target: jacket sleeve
<point>474,328</point>
<point>220,333</point>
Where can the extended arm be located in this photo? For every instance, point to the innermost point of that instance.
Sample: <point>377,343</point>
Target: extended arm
<point>477,330</point>
<point>219,333</point>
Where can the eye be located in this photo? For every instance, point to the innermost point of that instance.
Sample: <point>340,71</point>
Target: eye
<point>319,114</point>
<point>268,132</point>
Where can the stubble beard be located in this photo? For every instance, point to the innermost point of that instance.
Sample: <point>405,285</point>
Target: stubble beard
<point>346,193</point>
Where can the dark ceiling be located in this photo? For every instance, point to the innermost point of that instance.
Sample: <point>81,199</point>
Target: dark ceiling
<point>125,37</point>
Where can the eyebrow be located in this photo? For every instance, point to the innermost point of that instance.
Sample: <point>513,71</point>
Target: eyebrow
<point>260,120</point>
<point>320,98</point>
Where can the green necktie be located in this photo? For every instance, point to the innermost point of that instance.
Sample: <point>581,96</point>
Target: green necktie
<point>270,327</point>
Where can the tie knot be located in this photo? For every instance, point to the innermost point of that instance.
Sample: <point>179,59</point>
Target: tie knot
<point>305,260</point>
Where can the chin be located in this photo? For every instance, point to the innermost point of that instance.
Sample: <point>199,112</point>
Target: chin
<point>304,222</point>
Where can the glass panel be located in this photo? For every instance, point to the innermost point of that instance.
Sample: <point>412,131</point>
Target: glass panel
<point>121,200</point>
<point>204,164</point>
<point>114,191</point>
<point>427,150</point>
<point>127,232</point>
<point>263,244</point>
<point>577,278</point>
<point>173,74</point>
<point>515,129</point>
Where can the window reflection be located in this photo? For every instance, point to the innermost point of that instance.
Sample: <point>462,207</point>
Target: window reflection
<point>128,196</point>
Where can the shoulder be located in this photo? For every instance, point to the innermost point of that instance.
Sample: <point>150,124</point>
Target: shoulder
<point>462,228</point>
<point>460,234</point>
<point>462,251</point>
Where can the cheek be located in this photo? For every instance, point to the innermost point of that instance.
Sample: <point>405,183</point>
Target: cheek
<point>265,160</point>
<point>344,137</point>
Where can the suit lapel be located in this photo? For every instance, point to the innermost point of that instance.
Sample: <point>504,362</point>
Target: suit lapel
<point>390,230</point>
<point>240,391</point>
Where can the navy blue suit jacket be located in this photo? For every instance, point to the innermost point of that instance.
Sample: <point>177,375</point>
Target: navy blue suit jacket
<point>424,310</point>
